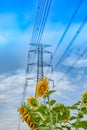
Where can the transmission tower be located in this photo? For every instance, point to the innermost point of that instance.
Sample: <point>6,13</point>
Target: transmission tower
<point>39,62</point>
<point>39,51</point>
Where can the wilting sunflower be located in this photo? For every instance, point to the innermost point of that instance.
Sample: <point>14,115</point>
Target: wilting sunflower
<point>42,88</point>
<point>32,125</point>
<point>26,116</point>
<point>84,99</point>
<point>24,112</point>
<point>32,102</point>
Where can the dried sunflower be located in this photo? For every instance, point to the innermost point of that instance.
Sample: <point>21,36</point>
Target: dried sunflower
<point>22,110</point>
<point>32,125</point>
<point>26,116</point>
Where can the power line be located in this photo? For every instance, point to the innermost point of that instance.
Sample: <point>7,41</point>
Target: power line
<point>38,18</point>
<point>72,41</point>
<point>35,20</point>
<point>74,63</point>
<point>48,4</point>
<point>39,23</point>
<point>67,27</point>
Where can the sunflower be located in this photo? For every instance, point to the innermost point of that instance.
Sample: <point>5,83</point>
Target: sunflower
<point>42,88</point>
<point>24,112</point>
<point>26,117</point>
<point>65,120</point>
<point>84,99</point>
<point>32,102</point>
<point>32,125</point>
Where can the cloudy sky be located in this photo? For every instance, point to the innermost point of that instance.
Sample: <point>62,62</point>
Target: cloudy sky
<point>70,74</point>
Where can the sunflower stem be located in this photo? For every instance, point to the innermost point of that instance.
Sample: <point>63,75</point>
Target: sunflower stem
<point>51,122</point>
<point>40,115</point>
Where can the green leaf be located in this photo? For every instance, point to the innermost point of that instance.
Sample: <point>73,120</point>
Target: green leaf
<point>52,102</point>
<point>67,127</point>
<point>78,103</point>
<point>73,117</point>
<point>43,128</point>
<point>84,110</point>
<point>42,109</point>
<point>50,92</point>
<point>58,128</point>
<point>80,115</point>
<point>83,124</point>
<point>47,102</point>
<point>80,124</point>
<point>74,107</point>
<point>47,120</point>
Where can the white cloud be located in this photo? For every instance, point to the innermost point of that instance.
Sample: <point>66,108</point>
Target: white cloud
<point>81,63</point>
<point>76,61</point>
<point>11,95</point>
<point>11,87</point>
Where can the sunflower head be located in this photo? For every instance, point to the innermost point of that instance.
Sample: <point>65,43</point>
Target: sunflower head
<point>65,120</point>
<point>22,110</point>
<point>84,99</point>
<point>32,102</point>
<point>24,113</point>
<point>42,88</point>
<point>32,125</point>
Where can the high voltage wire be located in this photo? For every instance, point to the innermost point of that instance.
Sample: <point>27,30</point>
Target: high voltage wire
<point>38,18</point>
<point>72,41</point>
<point>39,22</point>
<point>74,63</point>
<point>35,21</point>
<point>48,4</point>
<point>67,27</point>
<point>43,20</point>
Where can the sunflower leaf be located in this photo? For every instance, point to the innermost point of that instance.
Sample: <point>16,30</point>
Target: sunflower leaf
<point>50,92</point>
<point>52,102</point>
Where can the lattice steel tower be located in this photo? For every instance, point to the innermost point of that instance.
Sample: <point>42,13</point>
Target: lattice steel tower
<point>39,51</point>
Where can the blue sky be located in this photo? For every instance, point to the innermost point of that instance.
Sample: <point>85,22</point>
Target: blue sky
<point>16,26</point>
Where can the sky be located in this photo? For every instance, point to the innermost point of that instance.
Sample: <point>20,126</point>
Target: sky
<point>16,26</point>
